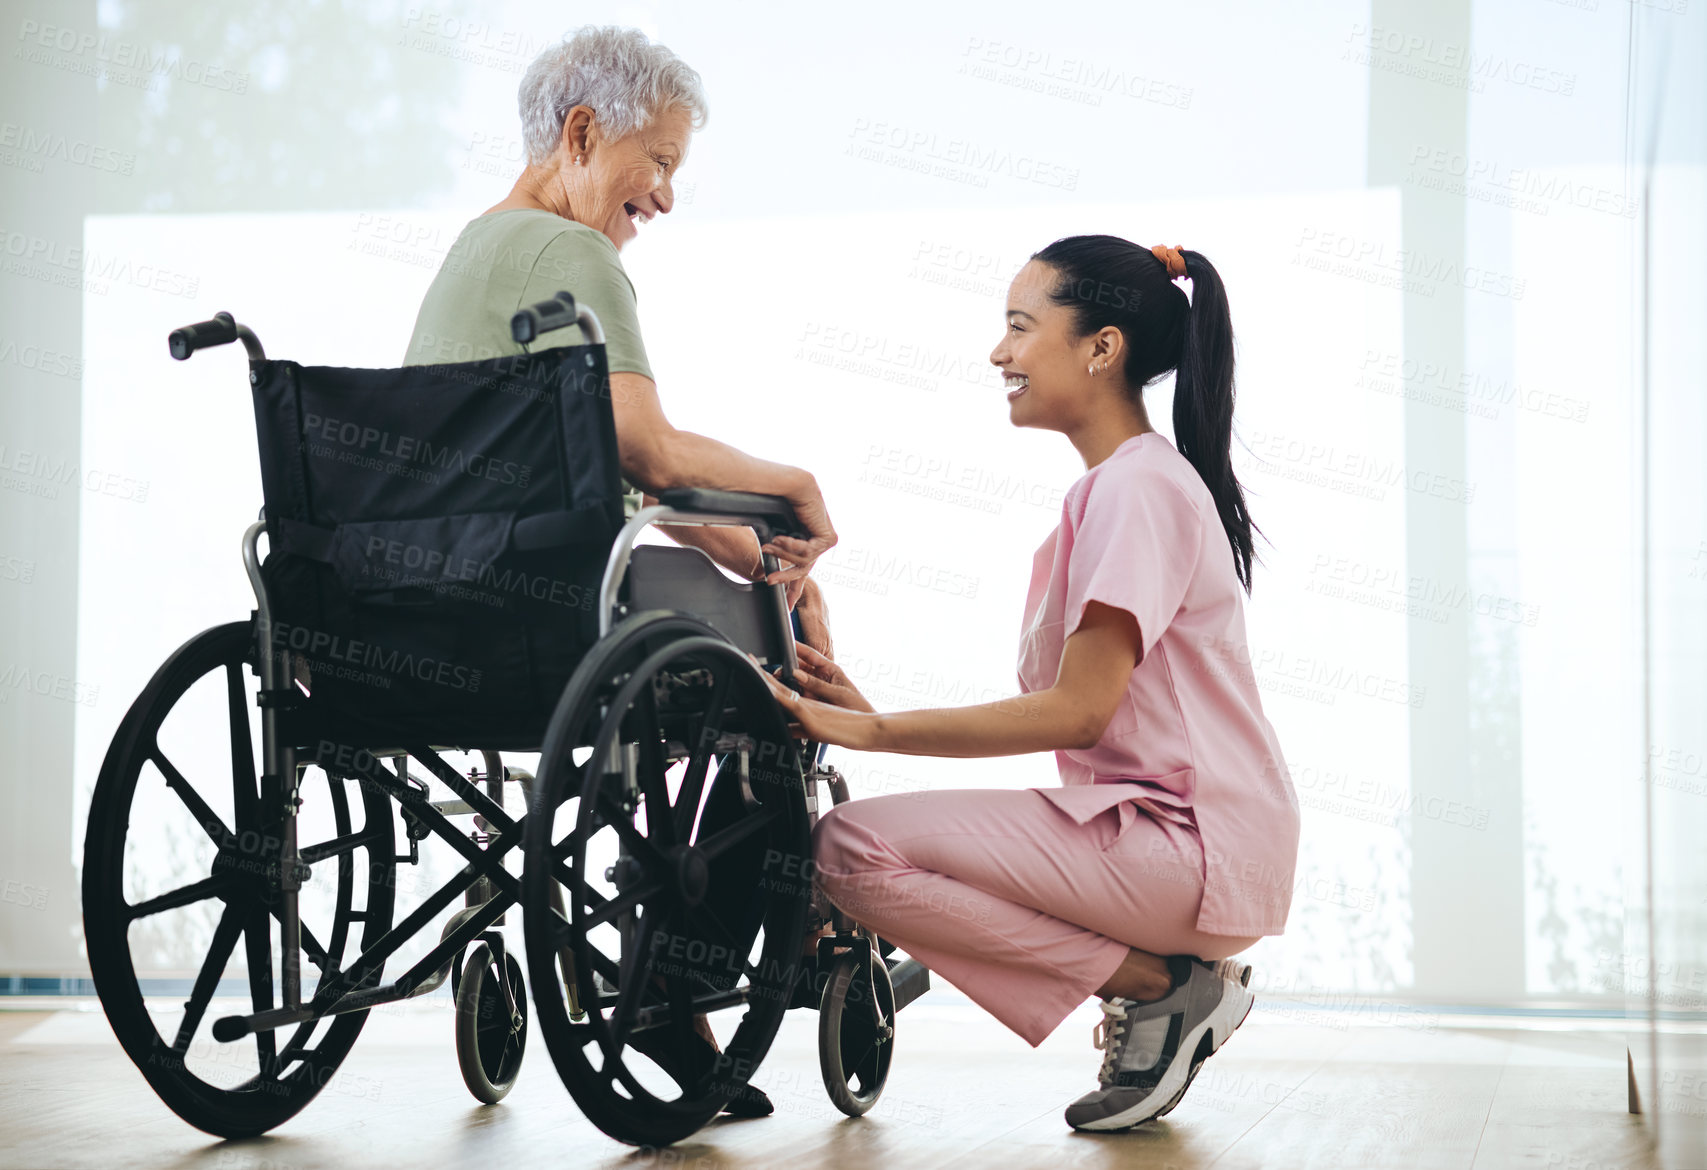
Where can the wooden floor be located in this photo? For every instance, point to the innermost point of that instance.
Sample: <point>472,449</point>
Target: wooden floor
<point>1291,1089</point>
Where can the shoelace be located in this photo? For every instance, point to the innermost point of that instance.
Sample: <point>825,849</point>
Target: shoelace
<point>1106,1036</point>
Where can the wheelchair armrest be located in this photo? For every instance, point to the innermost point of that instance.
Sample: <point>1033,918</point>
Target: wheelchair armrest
<point>772,515</point>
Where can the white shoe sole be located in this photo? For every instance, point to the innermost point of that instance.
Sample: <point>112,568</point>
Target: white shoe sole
<point>1235,1005</point>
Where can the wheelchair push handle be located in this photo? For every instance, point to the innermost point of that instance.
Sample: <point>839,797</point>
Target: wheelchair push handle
<point>559,312</point>
<point>222,330</point>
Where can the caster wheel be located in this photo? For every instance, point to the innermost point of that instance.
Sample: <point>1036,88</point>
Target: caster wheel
<point>489,1041</point>
<point>856,1032</point>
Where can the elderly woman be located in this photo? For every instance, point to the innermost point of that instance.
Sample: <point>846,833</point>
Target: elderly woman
<point>606,120</point>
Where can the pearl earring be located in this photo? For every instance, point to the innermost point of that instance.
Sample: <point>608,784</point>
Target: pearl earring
<point>580,160</point>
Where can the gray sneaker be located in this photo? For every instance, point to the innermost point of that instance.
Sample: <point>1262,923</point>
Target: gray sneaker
<point>1152,1051</point>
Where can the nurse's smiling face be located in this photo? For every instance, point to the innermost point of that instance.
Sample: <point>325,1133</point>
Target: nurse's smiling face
<point>1046,366</point>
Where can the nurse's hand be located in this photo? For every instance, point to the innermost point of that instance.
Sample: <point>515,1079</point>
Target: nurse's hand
<point>821,678</point>
<point>823,722</point>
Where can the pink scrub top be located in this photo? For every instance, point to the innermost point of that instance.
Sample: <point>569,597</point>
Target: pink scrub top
<point>1189,742</point>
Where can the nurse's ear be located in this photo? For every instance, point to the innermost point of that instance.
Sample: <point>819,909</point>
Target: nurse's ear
<point>1105,353</point>
<point>1105,356</point>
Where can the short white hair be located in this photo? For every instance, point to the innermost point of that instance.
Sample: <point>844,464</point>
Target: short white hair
<point>626,79</point>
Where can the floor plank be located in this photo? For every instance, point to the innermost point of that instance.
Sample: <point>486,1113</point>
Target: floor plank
<point>1284,1092</point>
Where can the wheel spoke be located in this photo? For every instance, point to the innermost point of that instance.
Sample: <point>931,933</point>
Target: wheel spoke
<point>296,1049</point>
<point>868,1021</point>
<point>724,839</point>
<point>585,826</point>
<point>258,944</point>
<point>660,821</point>
<point>636,961</point>
<point>336,847</point>
<point>245,795</point>
<point>209,887</point>
<point>623,901</point>
<point>566,881</point>
<point>699,762</point>
<point>566,846</point>
<point>616,1067</point>
<point>207,979</point>
<point>604,965</point>
<point>706,914</point>
<point>750,971</point>
<point>641,847</point>
<point>317,954</point>
<point>681,1017</point>
<point>311,947</point>
<point>205,816</point>
<point>864,1066</point>
<point>559,931</point>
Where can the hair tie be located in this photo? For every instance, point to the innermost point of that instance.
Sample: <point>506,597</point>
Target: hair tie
<point>1172,258</point>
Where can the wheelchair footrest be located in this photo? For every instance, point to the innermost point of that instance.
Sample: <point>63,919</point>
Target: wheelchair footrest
<point>910,978</point>
<point>808,988</point>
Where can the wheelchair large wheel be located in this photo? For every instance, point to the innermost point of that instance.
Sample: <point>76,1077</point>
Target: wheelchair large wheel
<point>648,878</point>
<point>180,866</point>
<point>856,1031</point>
<point>490,1039</point>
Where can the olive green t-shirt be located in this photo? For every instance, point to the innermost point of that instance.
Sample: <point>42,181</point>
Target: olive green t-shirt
<point>504,260</point>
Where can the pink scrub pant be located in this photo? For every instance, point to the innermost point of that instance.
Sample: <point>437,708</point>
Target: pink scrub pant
<point>1011,900</point>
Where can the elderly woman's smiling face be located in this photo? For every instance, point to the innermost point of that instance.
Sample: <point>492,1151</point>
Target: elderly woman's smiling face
<point>621,184</point>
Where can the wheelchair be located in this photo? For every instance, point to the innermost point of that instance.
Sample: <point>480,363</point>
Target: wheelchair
<point>449,571</point>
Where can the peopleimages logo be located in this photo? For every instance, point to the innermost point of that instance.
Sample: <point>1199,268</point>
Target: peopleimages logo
<point>404,454</point>
<point>34,146</point>
<point>342,656</point>
<point>400,565</point>
<point>916,148</point>
<point>116,59</point>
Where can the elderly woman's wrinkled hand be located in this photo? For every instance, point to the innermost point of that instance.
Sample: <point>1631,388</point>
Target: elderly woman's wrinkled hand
<point>814,617</point>
<point>800,554</point>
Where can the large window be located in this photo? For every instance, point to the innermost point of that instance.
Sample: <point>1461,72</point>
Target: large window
<point>1422,237</point>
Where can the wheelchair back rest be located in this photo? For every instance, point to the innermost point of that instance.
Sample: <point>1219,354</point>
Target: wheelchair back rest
<point>529,434</point>
<point>457,515</point>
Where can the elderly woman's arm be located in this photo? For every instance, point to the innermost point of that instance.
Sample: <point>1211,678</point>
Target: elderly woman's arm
<point>736,549</point>
<point>656,457</point>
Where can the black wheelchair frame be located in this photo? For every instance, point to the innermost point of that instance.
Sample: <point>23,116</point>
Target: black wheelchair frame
<point>669,683</point>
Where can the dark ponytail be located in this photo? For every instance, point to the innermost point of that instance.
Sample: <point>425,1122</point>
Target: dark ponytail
<point>1107,281</point>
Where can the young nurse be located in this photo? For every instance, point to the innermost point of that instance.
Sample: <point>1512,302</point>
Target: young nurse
<point>1170,845</point>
